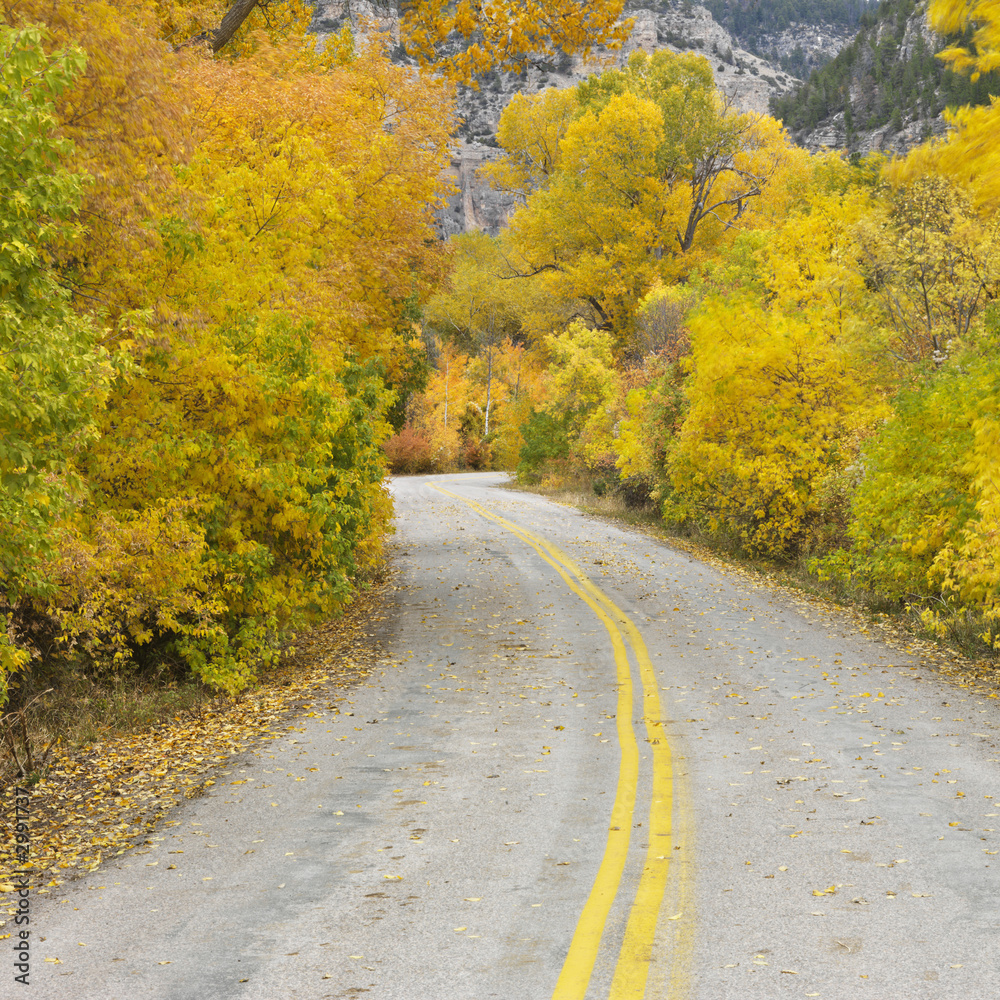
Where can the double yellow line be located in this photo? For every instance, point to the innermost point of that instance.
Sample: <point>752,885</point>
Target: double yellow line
<point>643,931</point>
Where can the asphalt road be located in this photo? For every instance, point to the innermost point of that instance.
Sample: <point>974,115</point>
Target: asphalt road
<point>598,768</point>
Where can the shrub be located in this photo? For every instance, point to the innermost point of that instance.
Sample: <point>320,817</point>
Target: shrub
<point>545,439</point>
<point>409,452</point>
<point>478,454</point>
<point>635,492</point>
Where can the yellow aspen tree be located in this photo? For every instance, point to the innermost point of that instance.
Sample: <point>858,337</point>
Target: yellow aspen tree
<point>781,384</point>
<point>444,404</point>
<point>478,309</point>
<point>582,387</point>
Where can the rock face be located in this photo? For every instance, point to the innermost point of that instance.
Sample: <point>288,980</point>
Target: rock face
<point>475,204</point>
<point>819,43</point>
<point>831,133</point>
<point>886,91</point>
<point>331,15</point>
<point>749,80</point>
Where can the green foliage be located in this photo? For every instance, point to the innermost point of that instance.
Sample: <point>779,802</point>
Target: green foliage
<point>411,371</point>
<point>546,438</point>
<point>886,87</point>
<point>914,497</point>
<point>52,376</point>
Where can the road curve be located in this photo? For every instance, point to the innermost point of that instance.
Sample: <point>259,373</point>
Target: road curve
<point>596,768</point>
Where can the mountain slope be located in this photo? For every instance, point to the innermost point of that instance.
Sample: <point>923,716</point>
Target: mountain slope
<point>883,91</point>
<point>796,35</point>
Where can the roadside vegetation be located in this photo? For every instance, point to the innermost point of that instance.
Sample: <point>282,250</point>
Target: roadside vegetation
<point>225,313</point>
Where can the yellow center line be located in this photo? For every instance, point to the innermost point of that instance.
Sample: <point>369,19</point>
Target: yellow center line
<point>579,964</point>
<point>632,969</point>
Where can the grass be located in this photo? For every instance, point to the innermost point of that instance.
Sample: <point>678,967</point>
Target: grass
<point>64,709</point>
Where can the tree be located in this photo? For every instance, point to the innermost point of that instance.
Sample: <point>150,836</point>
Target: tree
<point>781,381</point>
<point>932,264</point>
<point>508,35</point>
<point>53,376</point>
<point>530,131</point>
<point>652,167</point>
<point>259,228</point>
<point>982,52</point>
<point>582,387</point>
<point>719,158</point>
<point>969,153</point>
<point>479,309</point>
<point>231,22</point>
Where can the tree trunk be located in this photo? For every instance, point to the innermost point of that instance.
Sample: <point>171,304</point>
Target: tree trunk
<point>232,21</point>
<point>489,390</point>
<point>447,377</point>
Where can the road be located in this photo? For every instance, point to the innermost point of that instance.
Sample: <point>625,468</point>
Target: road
<point>597,768</point>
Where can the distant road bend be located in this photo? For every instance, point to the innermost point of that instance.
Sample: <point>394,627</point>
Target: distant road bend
<point>596,768</point>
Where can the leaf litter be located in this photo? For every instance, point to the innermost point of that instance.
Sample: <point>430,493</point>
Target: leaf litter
<point>106,798</point>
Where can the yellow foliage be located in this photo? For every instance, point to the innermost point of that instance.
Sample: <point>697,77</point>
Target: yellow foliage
<point>13,657</point>
<point>771,397</point>
<point>506,35</point>
<point>444,404</point>
<point>582,383</point>
<point>932,263</point>
<point>970,569</point>
<point>968,154</point>
<point>259,228</point>
<point>953,17</point>
<point>653,172</point>
<point>531,129</point>
<point>123,582</point>
<point>633,454</point>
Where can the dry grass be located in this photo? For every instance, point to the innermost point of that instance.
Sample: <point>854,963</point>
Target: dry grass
<point>102,797</point>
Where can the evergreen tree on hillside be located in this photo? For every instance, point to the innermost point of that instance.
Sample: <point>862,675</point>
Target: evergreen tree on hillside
<point>888,75</point>
<point>751,21</point>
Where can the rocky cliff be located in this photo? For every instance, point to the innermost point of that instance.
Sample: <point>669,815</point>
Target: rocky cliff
<point>750,80</point>
<point>885,91</point>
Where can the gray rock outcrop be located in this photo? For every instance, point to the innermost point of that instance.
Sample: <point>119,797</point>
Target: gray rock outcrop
<point>747,79</point>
